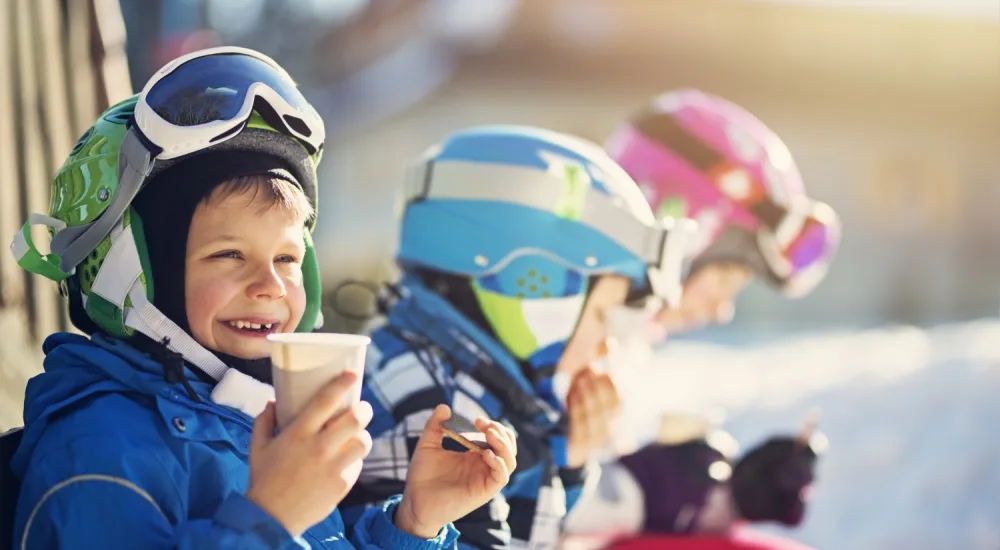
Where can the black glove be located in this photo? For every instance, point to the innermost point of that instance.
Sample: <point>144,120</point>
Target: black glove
<point>769,481</point>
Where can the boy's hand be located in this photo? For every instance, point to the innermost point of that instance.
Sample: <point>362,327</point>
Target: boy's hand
<point>443,486</point>
<point>592,404</point>
<point>302,474</point>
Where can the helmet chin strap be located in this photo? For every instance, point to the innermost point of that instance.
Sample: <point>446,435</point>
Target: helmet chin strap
<point>148,320</point>
<point>119,281</point>
<point>233,389</point>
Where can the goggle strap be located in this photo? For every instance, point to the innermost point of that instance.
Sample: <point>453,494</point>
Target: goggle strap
<point>535,188</point>
<point>73,244</point>
<point>667,132</point>
<point>664,130</point>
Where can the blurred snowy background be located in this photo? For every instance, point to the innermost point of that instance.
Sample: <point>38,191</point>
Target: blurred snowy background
<point>911,416</point>
<point>891,110</point>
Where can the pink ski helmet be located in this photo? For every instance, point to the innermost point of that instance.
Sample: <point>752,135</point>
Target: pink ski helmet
<point>700,156</point>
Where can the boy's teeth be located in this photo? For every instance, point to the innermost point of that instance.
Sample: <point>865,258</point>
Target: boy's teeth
<point>251,326</point>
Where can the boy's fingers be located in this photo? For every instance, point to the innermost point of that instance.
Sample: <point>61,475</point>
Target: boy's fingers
<point>501,447</point>
<point>353,450</point>
<point>577,411</point>
<point>434,429</point>
<point>584,380</point>
<point>501,432</point>
<point>325,403</point>
<point>580,428</point>
<point>346,425</point>
<point>513,439</point>
<point>591,402</point>
<point>607,393</point>
<point>498,467</point>
<point>505,433</point>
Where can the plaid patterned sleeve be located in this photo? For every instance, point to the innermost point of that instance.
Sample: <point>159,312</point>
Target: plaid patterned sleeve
<point>403,391</point>
<point>573,480</point>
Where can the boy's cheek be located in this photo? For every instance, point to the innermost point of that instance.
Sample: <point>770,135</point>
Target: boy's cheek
<point>296,306</point>
<point>201,297</point>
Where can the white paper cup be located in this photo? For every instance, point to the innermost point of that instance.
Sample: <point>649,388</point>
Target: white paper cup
<point>302,363</point>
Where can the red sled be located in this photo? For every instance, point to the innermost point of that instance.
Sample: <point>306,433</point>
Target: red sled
<point>743,539</point>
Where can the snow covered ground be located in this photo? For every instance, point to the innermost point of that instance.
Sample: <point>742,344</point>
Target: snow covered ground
<point>912,417</point>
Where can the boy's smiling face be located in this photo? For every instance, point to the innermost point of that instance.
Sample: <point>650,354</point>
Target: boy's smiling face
<point>243,273</point>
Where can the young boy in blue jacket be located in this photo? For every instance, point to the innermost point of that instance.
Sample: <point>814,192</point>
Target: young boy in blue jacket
<point>181,236</point>
<point>516,244</point>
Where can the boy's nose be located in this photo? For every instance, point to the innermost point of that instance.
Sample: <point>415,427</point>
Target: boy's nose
<point>267,284</point>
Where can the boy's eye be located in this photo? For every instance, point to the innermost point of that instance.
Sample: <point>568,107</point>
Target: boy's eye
<point>287,259</point>
<point>234,254</point>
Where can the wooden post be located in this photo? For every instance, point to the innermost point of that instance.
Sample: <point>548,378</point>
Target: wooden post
<point>109,59</point>
<point>11,276</point>
<point>34,170</point>
<point>57,124</point>
<point>62,64</point>
<point>79,68</point>
<point>54,93</point>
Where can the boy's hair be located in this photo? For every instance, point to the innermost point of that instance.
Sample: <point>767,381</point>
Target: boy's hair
<point>276,192</point>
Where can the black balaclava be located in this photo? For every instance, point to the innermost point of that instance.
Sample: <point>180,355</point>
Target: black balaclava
<point>769,482</point>
<point>166,206</point>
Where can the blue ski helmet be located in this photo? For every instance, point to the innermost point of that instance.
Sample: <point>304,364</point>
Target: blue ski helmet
<point>530,216</point>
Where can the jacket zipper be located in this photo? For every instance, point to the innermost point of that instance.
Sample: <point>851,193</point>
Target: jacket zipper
<point>215,410</point>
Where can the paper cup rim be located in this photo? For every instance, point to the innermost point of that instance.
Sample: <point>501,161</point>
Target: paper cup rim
<point>327,339</point>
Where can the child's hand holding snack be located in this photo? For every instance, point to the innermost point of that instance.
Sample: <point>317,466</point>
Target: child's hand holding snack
<point>593,404</point>
<point>443,486</point>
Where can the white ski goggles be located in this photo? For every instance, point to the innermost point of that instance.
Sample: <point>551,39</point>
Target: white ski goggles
<point>207,96</point>
<point>194,102</point>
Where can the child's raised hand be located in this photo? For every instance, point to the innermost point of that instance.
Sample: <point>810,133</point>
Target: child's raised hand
<point>443,486</point>
<point>593,404</point>
<point>302,474</point>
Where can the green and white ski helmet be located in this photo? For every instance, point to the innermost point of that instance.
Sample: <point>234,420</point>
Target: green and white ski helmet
<point>112,288</point>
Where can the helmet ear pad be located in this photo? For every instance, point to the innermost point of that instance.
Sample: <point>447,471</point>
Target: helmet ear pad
<point>312,317</point>
<point>89,310</point>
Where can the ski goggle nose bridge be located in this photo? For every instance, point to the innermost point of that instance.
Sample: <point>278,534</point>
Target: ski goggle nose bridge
<point>802,246</point>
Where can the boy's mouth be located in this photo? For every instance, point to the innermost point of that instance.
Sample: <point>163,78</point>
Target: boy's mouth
<point>253,327</point>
